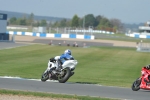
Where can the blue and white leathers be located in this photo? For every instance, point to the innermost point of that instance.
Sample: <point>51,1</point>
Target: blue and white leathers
<point>65,57</point>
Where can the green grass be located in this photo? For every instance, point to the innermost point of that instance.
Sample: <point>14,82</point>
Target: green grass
<point>122,37</point>
<point>50,95</point>
<point>111,66</point>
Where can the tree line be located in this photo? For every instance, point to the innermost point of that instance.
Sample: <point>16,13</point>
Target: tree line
<point>96,22</point>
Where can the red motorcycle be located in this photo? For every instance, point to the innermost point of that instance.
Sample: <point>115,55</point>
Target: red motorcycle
<point>142,82</point>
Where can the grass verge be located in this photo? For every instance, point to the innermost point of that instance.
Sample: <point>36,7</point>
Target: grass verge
<point>50,95</point>
<point>113,66</point>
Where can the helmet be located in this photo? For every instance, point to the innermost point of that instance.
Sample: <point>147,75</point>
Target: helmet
<point>67,52</point>
<point>148,66</point>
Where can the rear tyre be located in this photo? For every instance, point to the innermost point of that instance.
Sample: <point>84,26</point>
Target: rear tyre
<point>63,78</point>
<point>44,77</point>
<point>136,84</point>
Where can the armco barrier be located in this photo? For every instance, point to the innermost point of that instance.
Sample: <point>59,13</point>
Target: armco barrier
<point>53,35</point>
<point>139,35</point>
<point>143,47</point>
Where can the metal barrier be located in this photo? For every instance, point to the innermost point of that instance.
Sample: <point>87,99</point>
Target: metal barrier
<point>53,35</point>
<point>143,47</point>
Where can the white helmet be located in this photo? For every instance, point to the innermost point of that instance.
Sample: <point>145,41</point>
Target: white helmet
<point>68,52</point>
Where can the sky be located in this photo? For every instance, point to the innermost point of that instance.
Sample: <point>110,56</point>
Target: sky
<point>127,11</point>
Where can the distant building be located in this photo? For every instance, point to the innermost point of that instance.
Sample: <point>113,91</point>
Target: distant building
<point>145,29</point>
<point>3,23</point>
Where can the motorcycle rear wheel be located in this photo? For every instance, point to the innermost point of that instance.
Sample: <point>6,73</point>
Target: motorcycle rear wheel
<point>136,84</point>
<point>66,76</point>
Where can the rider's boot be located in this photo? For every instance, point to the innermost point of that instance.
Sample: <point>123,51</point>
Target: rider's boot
<point>59,66</point>
<point>147,81</point>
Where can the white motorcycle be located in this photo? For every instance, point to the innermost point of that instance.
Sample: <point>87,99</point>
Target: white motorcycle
<point>62,75</point>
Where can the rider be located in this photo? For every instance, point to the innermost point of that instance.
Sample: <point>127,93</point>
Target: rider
<point>60,60</point>
<point>147,80</point>
<point>65,56</point>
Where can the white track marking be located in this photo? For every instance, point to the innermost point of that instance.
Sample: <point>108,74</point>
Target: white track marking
<point>10,77</point>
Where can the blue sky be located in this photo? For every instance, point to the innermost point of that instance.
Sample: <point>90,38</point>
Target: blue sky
<point>128,11</point>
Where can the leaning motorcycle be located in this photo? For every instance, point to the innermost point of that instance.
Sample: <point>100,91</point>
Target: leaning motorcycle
<point>143,81</point>
<point>63,75</point>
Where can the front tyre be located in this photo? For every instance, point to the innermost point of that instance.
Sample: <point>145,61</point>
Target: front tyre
<point>136,84</point>
<point>62,78</point>
<point>44,77</point>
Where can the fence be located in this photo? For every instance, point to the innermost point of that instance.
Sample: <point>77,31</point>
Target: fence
<point>53,35</point>
<point>138,35</point>
<point>143,47</point>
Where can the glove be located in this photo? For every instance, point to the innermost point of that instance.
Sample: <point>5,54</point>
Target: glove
<point>52,59</point>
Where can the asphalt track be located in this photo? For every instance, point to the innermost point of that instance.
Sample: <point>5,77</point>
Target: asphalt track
<point>80,42</point>
<point>8,45</point>
<point>71,42</point>
<point>69,88</point>
<point>74,89</point>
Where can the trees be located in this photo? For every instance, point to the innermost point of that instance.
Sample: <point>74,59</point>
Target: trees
<point>75,21</point>
<point>43,23</point>
<point>22,21</point>
<point>30,20</point>
<point>56,24</point>
<point>104,24</point>
<point>13,20</point>
<point>63,23</point>
<point>90,20</point>
<point>117,25</point>
<point>97,22</point>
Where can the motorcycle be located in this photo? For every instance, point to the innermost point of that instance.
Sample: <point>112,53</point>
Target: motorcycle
<point>66,71</point>
<point>142,82</point>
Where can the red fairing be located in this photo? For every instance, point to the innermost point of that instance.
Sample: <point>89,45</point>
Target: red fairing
<point>145,82</point>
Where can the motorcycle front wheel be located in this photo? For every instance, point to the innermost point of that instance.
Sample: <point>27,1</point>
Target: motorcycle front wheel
<point>136,84</point>
<point>44,77</point>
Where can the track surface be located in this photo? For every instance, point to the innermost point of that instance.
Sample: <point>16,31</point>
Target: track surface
<point>74,89</point>
<point>80,42</point>
<point>8,45</point>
